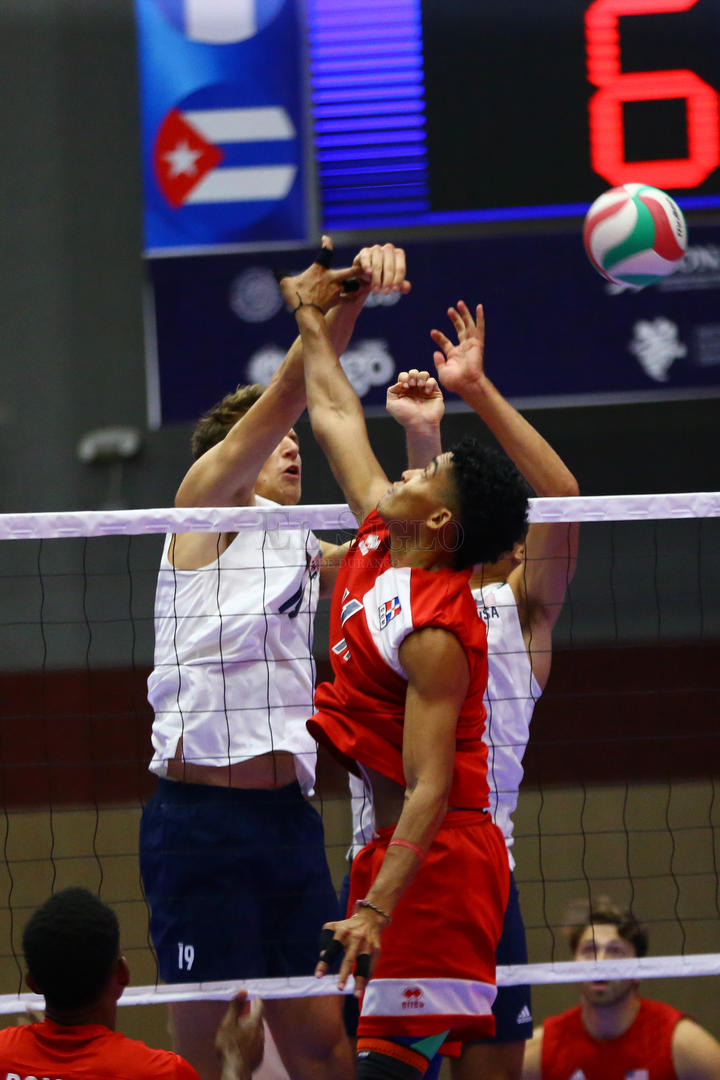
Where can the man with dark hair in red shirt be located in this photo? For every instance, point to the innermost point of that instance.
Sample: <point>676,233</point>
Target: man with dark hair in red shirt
<point>72,950</point>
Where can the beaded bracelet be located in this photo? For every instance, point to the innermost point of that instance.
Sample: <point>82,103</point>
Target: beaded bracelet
<point>410,846</point>
<point>373,907</point>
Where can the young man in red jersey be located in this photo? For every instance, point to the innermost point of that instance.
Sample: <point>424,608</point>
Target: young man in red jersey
<point>409,655</point>
<point>72,950</point>
<point>614,1033</point>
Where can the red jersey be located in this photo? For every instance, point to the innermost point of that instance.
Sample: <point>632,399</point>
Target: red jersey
<point>50,1051</point>
<point>643,1052</point>
<point>375,606</point>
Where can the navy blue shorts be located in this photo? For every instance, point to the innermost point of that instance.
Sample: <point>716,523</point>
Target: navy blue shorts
<point>237,881</point>
<point>512,1011</point>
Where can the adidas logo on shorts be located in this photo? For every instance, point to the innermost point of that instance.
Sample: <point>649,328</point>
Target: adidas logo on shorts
<point>524,1016</point>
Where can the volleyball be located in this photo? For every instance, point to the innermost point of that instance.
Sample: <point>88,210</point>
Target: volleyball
<point>635,235</point>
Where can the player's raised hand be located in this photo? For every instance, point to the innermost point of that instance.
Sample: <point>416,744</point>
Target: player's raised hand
<point>460,364</point>
<point>382,268</point>
<point>415,400</point>
<point>318,286</point>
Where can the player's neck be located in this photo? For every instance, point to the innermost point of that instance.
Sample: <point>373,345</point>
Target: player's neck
<point>414,546</point>
<point>98,1014</point>
<point>610,1021</point>
<point>419,558</point>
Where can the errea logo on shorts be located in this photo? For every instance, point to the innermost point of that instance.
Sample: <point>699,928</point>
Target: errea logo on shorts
<point>412,998</point>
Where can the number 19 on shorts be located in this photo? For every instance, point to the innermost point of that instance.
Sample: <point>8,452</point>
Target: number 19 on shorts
<point>186,956</point>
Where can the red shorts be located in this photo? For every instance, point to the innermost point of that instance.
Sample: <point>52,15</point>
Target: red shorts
<point>437,963</point>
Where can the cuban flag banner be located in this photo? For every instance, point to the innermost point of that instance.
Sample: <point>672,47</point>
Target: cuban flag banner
<point>222,124</point>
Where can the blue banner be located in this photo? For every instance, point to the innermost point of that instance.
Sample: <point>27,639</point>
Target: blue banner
<point>223,131</point>
<point>557,333</point>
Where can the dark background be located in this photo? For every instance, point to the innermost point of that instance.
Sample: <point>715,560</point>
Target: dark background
<point>527,144</point>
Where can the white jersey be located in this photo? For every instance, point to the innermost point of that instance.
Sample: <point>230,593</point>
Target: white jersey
<point>234,672</point>
<point>512,691</point>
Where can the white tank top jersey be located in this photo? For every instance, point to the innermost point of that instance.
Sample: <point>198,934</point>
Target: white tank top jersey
<point>234,672</point>
<point>510,698</point>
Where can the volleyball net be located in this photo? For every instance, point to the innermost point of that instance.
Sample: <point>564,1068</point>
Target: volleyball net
<point>621,796</point>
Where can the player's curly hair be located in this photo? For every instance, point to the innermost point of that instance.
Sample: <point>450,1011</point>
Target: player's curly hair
<point>493,503</point>
<point>70,944</point>
<point>213,426</point>
<point>625,923</point>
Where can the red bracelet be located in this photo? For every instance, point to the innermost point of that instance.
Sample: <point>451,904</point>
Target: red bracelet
<point>411,847</point>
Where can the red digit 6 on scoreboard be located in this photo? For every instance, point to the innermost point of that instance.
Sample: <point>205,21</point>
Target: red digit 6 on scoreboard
<point>607,142</point>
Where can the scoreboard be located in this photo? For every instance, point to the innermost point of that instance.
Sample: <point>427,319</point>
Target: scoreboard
<point>267,120</point>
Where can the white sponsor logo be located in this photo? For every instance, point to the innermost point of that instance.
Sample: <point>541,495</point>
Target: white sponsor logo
<point>366,364</point>
<point>254,295</point>
<point>656,346</point>
<point>524,1016</point>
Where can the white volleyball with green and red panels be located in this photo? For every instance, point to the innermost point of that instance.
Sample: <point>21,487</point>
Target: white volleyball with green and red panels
<point>634,235</point>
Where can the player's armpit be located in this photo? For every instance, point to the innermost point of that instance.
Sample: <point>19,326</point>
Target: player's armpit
<point>332,557</point>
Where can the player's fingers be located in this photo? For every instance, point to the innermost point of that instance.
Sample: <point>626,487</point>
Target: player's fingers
<point>324,254</point>
<point>439,359</point>
<point>465,314</point>
<point>480,319</point>
<point>430,385</point>
<point>456,319</point>
<point>388,271</point>
<point>377,264</point>
<point>364,965</point>
<point>340,276</point>
<point>348,964</point>
<point>240,1004</point>
<point>363,263</point>
<point>394,267</point>
<point>440,339</point>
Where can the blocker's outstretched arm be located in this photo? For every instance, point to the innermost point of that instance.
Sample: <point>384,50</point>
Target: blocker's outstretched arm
<point>336,414</point>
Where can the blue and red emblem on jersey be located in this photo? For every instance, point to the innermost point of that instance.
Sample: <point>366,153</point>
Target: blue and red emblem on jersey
<point>388,611</point>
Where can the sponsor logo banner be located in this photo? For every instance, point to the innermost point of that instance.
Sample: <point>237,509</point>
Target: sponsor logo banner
<point>556,333</point>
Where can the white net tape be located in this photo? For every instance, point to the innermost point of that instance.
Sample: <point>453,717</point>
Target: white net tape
<point>69,523</point>
<point>629,508</point>
<point>569,971</point>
